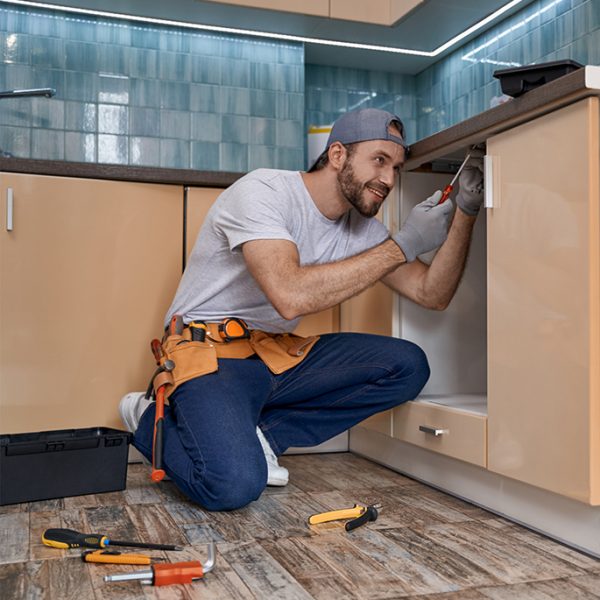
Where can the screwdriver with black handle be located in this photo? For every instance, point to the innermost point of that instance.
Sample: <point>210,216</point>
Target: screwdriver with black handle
<point>68,538</point>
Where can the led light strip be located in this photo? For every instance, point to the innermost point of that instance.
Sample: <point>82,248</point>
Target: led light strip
<point>265,34</point>
<point>522,23</point>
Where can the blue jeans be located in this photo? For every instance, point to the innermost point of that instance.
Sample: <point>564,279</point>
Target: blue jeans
<point>211,450</point>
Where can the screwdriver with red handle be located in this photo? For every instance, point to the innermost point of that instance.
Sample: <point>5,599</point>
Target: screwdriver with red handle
<point>448,189</point>
<point>170,573</point>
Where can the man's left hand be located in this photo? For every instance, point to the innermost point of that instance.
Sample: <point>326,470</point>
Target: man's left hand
<point>470,196</point>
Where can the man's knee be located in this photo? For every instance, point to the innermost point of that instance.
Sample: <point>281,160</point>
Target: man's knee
<point>227,490</point>
<point>418,365</point>
<point>410,365</point>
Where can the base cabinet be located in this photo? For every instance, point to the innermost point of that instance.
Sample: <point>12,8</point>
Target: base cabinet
<point>544,303</point>
<point>86,275</point>
<point>514,395</point>
<point>527,345</point>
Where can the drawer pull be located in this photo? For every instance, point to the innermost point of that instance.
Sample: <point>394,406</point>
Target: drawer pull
<point>432,430</point>
<point>9,209</point>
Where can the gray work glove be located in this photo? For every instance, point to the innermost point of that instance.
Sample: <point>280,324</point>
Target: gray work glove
<point>470,195</point>
<point>425,228</point>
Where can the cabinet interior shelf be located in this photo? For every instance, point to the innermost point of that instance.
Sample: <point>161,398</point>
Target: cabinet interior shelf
<point>471,403</point>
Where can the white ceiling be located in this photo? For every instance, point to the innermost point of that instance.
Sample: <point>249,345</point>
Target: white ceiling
<point>427,27</point>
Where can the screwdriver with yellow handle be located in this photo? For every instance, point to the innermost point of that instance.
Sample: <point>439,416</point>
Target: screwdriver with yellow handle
<point>111,557</point>
<point>68,538</point>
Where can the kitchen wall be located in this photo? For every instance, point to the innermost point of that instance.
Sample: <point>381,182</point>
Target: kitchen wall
<point>331,91</point>
<point>462,84</point>
<point>136,94</point>
<point>144,95</point>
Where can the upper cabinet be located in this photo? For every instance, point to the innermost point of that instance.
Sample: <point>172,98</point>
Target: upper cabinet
<point>378,12</point>
<point>319,8</point>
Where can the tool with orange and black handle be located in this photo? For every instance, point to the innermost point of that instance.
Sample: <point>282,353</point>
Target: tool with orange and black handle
<point>158,473</point>
<point>171,573</point>
<point>448,189</point>
<point>358,515</point>
<point>164,365</point>
<point>175,328</point>
<point>68,538</point>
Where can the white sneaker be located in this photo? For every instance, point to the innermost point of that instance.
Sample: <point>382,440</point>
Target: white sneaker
<point>277,475</point>
<point>131,409</point>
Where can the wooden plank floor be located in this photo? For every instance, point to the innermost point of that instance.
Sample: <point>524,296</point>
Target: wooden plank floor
<point>424,545</point>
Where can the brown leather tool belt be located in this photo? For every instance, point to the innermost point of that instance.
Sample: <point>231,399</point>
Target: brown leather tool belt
<point>197,349</point>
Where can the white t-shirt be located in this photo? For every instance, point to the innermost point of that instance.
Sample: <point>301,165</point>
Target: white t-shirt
<point>264,204</point>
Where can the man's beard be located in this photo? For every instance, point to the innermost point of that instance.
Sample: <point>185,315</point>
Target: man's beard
<point>353,191</point>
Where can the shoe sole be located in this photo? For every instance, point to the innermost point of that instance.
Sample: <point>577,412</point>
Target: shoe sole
<point>276,482</point>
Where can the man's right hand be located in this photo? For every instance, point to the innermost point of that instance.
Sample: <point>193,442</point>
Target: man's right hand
<point>425,228</point>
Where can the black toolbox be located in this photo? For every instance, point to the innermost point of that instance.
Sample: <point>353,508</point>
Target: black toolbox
<point>517,81</point>
<point>56,464</point>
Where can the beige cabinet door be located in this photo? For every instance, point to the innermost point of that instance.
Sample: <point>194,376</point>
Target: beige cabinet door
<point>371,312</point>
<point>199,201</point>
<point>86,276</point>
<point>544,303</point>
<point>307,7</point>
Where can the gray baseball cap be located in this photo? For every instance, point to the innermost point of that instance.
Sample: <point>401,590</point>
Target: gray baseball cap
<point>364,125</point>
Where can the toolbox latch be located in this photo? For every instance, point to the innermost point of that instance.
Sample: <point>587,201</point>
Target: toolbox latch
<point>54,446</point>
<point>113,441</point>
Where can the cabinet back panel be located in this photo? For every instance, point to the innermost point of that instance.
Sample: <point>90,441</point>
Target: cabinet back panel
<point>454,339</point>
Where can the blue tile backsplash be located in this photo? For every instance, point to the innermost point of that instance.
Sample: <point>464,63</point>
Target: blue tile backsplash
<point>332,91</point>
<point>130,93</point>
<point>462,84</point>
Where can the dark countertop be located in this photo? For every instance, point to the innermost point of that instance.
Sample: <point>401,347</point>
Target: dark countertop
<point>448,143</point>
<point>476,130</point>
<point>59,168</point>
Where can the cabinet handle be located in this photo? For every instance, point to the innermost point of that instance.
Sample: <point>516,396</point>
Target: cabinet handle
<point>9,209</point>
<point>488,178</point>
<point>432,430</point>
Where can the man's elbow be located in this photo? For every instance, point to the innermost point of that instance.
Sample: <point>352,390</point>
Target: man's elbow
<point>439,305</point>
<point>287,307</point>
<point>434,302</point>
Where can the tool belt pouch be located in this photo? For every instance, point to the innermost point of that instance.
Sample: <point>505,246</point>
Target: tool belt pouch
<point>192,359</point>
<point>281,351</point>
